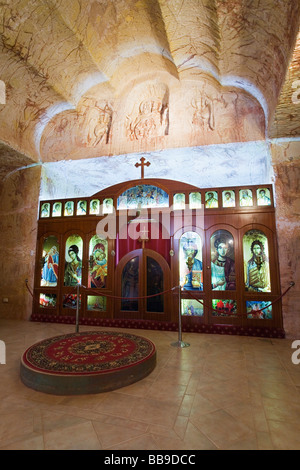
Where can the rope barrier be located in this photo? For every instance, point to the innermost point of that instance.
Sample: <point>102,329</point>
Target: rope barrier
<point>205,305</point>
<point>38,302</point>
<point>243,314</point>
<point>135,298</point>
<point>104,294</point>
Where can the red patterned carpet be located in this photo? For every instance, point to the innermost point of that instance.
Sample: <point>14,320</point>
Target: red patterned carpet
<point>89,362</point>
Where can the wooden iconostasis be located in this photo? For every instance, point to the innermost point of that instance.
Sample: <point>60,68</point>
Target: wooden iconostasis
<point>126,250</point>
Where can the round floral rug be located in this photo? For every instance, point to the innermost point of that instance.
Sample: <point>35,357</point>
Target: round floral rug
<point>89,362</point>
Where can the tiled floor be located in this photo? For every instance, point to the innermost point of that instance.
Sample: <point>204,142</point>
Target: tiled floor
<point>221,392</point>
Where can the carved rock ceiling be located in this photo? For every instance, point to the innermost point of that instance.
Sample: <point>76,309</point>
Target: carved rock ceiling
<point>88,78</point>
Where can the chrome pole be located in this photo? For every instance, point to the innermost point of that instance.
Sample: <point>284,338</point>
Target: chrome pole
<point>180,343</point>
<point>77,309</point>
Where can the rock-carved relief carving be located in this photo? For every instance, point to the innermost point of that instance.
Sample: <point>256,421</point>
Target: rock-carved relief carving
<point>62,127</point>
<point>152,120</point>
<point>96,120</point>
<point>204,114</point>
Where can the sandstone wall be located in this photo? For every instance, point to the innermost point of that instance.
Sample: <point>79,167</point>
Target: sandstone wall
<point>18,223</point>
<point>286,164</point>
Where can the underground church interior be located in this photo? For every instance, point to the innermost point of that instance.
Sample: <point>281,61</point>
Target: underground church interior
<point>150,208</point>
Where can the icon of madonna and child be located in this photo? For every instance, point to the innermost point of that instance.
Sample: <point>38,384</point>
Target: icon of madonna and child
<point>98,265</point>
<point>50,267</point>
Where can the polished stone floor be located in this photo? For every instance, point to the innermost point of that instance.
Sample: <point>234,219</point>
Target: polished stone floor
<point>220,393</point>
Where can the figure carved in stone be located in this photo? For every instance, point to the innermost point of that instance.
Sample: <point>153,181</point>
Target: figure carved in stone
<point>152,120</point>
<point>102,129</point>
<point>64,128</point>
<point>61,127</point>
<point>97,122</point>
<point>203,116</point>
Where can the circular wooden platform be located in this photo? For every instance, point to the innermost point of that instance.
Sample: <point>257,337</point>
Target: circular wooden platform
<point>85,363</point>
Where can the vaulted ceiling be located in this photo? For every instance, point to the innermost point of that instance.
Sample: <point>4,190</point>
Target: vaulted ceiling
<point>88,78</point>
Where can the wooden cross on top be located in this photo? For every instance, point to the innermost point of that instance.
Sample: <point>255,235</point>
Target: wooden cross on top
<point>142,165</point>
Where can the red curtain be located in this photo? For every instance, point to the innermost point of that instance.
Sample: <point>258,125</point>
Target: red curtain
<point>128,239</point>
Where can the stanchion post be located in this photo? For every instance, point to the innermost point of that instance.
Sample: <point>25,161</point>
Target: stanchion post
<point>77,308</point>
<point>179,316</point>
<point>179,343</point>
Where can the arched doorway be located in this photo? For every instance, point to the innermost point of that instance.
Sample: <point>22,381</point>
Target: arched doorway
<point>140,276</point>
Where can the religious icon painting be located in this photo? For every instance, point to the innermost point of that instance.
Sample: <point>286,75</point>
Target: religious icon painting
<point>190,261</point>
<point>155,285</point>
<point>263,197</point>
<point>228,198</point>
<point>70,301</point>
<point>224,307</point>
<point>108,206</point>
<point>97,262</point>
<point>47,300</point>
<point>246,198</point>
<point>45,210</point>
<point>50,262</point>
<point>95,207</point>
<point>73,261</point>
<point>141,196</point>
<point>256,262</point>
<point>56,210</point>
<point>195,200</point>
<point>81,208</point>
<point>122,202</point>
<point>222,261</point>
<point>191,307</point>
<point>96,302</point>
<point>69,208</point>
<point>179,201</point>
<point>211,200</point>
<point>130,285</point>
<point>259,310</point>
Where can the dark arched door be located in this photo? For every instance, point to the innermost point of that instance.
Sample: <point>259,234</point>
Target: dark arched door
<point>141,276</point>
